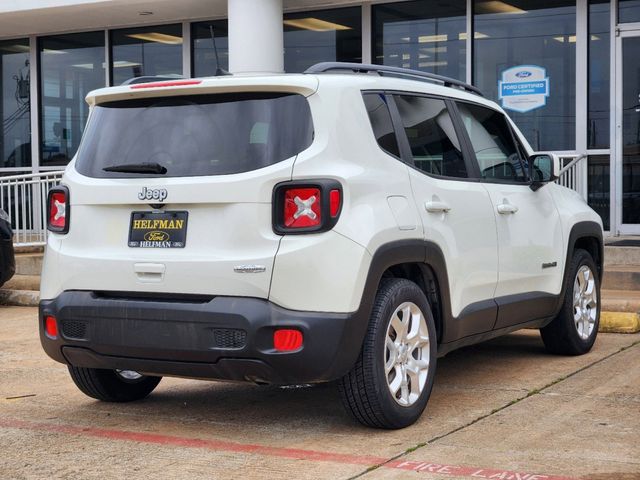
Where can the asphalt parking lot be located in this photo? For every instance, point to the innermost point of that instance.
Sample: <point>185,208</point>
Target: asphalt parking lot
<point>501,410</point>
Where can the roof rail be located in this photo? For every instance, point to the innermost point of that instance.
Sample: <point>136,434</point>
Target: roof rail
<point>382,70</point>
<point>151,78</point>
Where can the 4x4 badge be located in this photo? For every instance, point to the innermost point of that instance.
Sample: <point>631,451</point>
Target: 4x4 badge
<point>153,194</point>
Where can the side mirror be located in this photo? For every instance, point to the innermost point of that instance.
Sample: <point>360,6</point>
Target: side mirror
<point>543,168</point>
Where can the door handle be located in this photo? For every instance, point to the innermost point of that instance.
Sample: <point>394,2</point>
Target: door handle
<point>506,208</point>
<point>436,206</point>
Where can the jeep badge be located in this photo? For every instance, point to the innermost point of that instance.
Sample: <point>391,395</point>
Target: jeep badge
<point>152,194</point>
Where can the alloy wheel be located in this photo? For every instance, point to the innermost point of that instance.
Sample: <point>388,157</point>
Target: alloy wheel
<point>406,354</point>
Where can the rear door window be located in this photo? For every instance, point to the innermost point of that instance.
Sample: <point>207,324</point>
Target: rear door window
<point>196,135</point>
<point>432,137</point>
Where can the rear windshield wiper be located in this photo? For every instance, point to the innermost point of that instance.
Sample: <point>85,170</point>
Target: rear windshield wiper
<point>137,168</point>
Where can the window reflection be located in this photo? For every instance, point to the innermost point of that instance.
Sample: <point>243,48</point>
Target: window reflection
<point>204,55</point>
<point>598,186</point>
<point>599,53</point>
<point>629,11</point>
<point>15,134</point>
<point>138,52</point>
<point>71,66</point>
<point>309,37</point>
<point>322,36</point>
<point>630,130</point>
<point>422,35</point>
<point>528,32</point>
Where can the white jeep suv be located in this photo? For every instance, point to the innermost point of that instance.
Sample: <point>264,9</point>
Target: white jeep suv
<point>351,223</point>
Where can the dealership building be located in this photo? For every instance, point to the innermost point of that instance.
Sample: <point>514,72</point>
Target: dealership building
<point>566,71</point>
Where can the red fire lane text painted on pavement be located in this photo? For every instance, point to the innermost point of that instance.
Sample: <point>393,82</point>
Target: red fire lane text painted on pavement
<point>472,472</point>
<point>283,452</point>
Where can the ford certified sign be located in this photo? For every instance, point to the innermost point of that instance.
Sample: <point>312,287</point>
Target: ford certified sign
<point>524,88</point>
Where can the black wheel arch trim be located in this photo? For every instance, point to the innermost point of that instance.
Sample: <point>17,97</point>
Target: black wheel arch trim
<point>455,331</point>
<point>580,230</point>
<point>421,252</point>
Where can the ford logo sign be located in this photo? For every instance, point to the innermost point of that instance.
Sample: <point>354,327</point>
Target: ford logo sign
<point>523,74</point>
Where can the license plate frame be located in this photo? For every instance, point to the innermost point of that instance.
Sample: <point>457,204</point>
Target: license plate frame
<point>149,229</point>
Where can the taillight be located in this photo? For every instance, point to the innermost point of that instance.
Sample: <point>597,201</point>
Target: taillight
<point>302,207</point>
<point>58,209</point>
<point>306,207</point>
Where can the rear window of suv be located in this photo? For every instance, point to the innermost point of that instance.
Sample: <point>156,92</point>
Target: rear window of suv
<point>195,135</point>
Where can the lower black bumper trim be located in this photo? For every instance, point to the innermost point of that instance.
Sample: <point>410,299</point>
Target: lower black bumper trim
<point>229,338</point>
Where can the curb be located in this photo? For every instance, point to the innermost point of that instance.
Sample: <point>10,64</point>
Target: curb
<point>619,322</point>
<point>20,298</point>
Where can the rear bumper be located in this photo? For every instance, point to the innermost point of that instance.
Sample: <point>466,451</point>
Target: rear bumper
<point>227,338</point>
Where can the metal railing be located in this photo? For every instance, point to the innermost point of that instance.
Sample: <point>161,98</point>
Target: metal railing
<point>573,173</point>
<point>24,198</point>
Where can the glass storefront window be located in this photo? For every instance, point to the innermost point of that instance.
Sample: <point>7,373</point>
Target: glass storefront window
<point>322,36</point>
<point>599,53</point>
<point>628,11</point>
<point>15,104</point>
<point>598,186</point>
<point>538,33</point>
<point>136,52</point>
<point>203,56</point>
<point>309,37</point>
<point>422,35</point>
<point>71,66</point>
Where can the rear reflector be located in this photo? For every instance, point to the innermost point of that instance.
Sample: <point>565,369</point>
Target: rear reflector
<point>287,340</point>
<point>172,83</point>
<point>51,327</point>
<point>334,203</point>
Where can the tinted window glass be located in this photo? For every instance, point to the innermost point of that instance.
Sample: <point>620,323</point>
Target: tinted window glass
<point>511,36</point>
<point>599,186</point>
<point>322,36</point>
<point>381,122</point>
<point>71,66</point>
<point>196,135</point>
<point>493,143</point>
<point>423,35</point>
<point>15,104</point>
<point>137,52</point>
<point>203,54</point>
<point>599,88</point>
<point>629,11</point>
<point>432,137</point>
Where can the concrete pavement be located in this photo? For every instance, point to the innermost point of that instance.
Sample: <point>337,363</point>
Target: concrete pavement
<point>504,409</point>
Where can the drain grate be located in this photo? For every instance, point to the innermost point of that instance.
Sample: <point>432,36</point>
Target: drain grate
<point>229,338</point>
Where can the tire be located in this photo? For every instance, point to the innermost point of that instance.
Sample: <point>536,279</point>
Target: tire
<point>366,390</point>
<point>112,386</point>
<point>574,330</point>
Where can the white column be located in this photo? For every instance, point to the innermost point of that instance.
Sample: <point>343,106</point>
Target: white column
<point>256,42</point>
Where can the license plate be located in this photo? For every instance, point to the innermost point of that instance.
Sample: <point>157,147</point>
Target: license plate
<point>158,229</point>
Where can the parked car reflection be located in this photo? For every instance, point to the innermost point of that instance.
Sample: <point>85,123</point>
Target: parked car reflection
<point>7,256</point>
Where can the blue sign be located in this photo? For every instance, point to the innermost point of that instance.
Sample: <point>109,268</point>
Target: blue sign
<point>524,88</point>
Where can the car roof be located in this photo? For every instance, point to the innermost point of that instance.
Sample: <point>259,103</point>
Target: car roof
<point>302,83</point>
